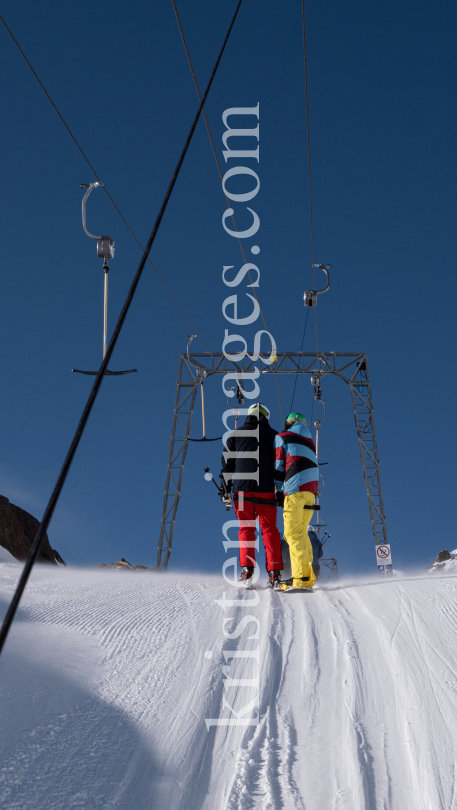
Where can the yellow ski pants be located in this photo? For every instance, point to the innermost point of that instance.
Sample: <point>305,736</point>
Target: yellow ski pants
<point>296,521</point>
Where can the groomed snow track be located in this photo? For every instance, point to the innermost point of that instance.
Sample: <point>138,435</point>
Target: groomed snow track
<point>105,687</point>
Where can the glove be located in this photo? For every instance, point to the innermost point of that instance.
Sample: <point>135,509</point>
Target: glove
<point>227,485</point>
<point>280,498</point>
<point>227,500</point>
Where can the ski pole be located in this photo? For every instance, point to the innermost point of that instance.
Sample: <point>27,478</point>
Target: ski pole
<point>223,491</point>
<point>209,477</point>
<point>326,538</point>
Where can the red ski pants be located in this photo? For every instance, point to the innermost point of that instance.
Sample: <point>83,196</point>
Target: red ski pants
<point>246,534</point>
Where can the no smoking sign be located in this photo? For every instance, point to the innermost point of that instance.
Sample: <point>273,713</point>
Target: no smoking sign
<point>383,554</point>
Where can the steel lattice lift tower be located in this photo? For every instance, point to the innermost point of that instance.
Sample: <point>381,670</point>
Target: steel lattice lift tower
<point>194,367</point>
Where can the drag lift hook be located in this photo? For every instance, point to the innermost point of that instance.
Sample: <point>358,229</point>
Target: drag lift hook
<point>315,381</point>
<point>105,251</point>
<point>240,400</point>
<point>201,374</point>
<point>310,296</point>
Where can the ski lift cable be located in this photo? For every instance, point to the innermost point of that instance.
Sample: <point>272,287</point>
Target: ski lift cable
<point>222,177</point>
<point>309,161</point>
<point>98,178</point>
<point>33,553</point>
<point>310,295</point>
<point>301,349</point>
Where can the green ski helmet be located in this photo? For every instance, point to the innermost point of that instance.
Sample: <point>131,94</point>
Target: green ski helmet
<point>295,417</point>
<point>258,408</point>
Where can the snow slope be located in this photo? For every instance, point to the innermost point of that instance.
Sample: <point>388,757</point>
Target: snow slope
<point>6,557</point>
<point>105,687</point>
<point>446,567</point>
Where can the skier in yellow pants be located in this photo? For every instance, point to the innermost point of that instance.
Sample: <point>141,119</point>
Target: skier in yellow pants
<point>296,520</point>
<point>297,476</point>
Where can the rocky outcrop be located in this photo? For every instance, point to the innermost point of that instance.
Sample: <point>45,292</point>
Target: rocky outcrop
<point>123,565</point>
<point>442,556</point>
<point>17,533</point>
<point>58,558</point>
<point>445,563</point>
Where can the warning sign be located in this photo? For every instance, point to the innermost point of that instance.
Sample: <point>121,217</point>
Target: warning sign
<point>386,569</point>
<point>383,554</point>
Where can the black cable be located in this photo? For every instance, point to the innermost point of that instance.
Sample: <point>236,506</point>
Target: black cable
<point>309,158</point>
<point>221,176</point>
<point>97,176</point>
<point>99,378</point>
<point>301,349</point>
<point>310,196</point>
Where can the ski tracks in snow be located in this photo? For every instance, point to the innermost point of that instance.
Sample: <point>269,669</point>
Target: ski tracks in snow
<point>391,717</point>
<point>263,776</point>
<point>357,706</point>
<point>357,699</point>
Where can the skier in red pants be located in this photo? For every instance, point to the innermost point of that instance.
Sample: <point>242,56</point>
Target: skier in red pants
<point>248,466</point>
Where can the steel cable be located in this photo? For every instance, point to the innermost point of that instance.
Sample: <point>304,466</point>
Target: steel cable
<point>309,161</point>
<point>99,378</point>
<point>301,349</point>
<point>98,177</point>
<point>222,177</point>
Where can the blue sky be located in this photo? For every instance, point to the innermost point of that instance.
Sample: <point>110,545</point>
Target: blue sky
<point>383,120</point>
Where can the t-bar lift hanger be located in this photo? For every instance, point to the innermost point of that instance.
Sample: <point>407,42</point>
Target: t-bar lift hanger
<point>201,374</point>
<point>316,383</point>
<point>240,400</point>
<point>105,251</point>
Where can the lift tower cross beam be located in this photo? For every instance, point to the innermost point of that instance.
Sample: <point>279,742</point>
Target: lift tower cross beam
<point>351,368</point>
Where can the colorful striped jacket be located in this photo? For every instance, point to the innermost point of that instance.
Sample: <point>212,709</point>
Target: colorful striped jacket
<point>296,468</point>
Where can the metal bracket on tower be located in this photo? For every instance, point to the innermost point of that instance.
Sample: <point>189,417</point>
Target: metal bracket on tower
<point>316,383</point>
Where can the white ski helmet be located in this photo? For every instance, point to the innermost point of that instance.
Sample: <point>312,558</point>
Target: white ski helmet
<point>257,409</point>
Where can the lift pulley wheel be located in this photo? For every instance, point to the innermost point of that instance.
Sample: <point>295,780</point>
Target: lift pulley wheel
<point>310,296</point>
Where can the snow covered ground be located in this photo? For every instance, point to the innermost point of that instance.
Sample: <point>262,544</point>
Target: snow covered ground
<point>446,567</point>
<point>105,688</point>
